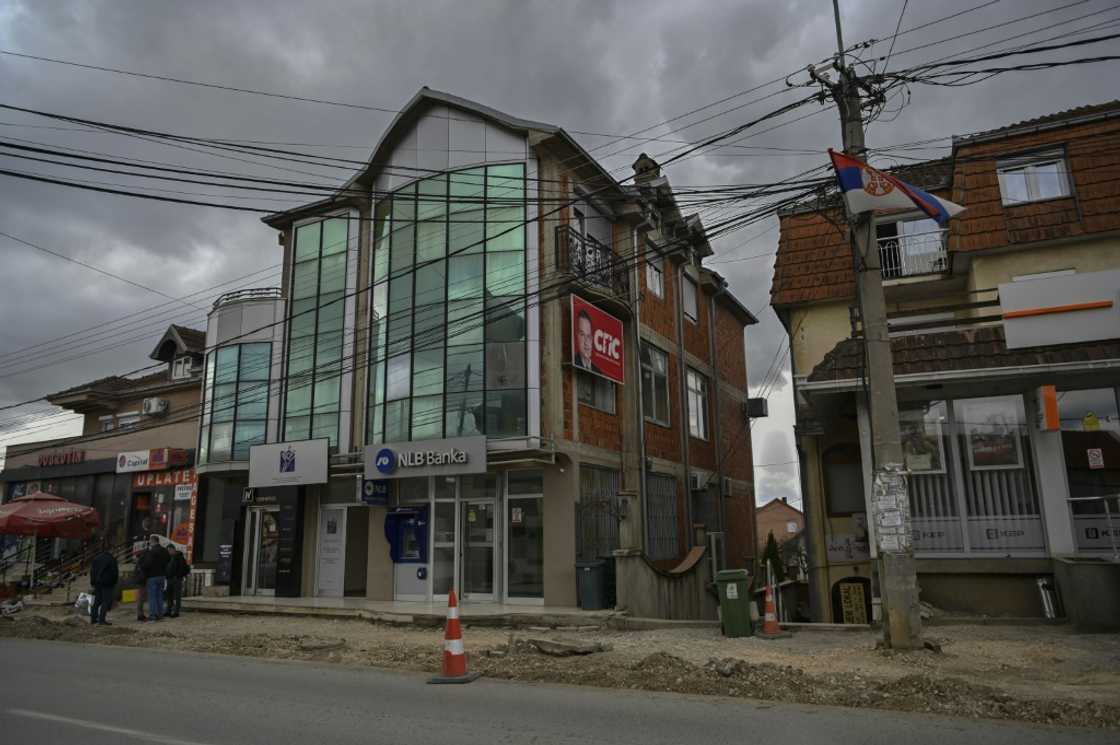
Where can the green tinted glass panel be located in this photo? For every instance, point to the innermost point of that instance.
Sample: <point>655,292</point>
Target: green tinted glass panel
<point>431,241</point>
<point>505,183</point>
<point>302,321</point>
<point>305,279</point>
<point>252,400</point>
<point>397,421</point>
<point>307,241</point>
<point>429,326</point>
<point>398,377</point>
<point>505,413</point>
<point>332,273</point>
<point>295,428</point>
<point>467,189</point>
<point>325,425</point>
<point>377,383</point>
<point>221,441</point>
<point>247,434</point>
<point>427,372</point>
<point>465,322</point>
<point>430,281</point>
<point>404,246</point>
<point>225,402</point>
<point>505,319</point>
<point>301,356</point>
<point>465,368</point>
<point>465,277</point>
<point>335,236</point>
<point>256,359</point>
<point>204,445</point>
<point>505,365</point>
<point>400,333</point>
<point>226,370</point>
<point>427,417</point>
<point>463,414</point>
<point>404,203</point>
<point>505,273</point>
<point>299,399</point>
<point>326,395</point>
<point>505,228</point>
<point>466,232</point>
<point>400,294</point>
<point>375,425</point>
<point>432,203</point>
<point>332,312</point>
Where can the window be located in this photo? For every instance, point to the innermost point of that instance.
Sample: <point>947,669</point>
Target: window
<point>1033,179</point>
<point>448,353</point>
<point>655,384</point>
<point>181,367</point>
<point>596,392</point>
<point>105,423</point>
<point>597,512</point>
<point>316,326</point>
<point>128,420</point>
<point>697,404</point>
<point>661,498</point>
<point>235,402</point>
<point>654,279</point>
<point>688,295</point>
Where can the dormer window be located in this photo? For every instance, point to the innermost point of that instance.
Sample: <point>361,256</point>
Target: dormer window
<point>1033,178</point>
<point>181,367</point>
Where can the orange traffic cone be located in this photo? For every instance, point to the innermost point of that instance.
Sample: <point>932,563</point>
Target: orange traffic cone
<point>770,627</point>
<point>454,658</point>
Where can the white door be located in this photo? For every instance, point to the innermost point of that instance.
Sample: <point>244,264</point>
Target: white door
<point>332,552</point>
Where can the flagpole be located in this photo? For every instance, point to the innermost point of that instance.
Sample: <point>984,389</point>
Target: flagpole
<point>889,509</point>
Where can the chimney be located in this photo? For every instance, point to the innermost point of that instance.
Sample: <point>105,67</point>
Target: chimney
<point>646,169</point>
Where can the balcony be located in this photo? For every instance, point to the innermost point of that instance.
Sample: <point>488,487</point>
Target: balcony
<point>255,293</point>
<point>914,254</point>
<point>591,263</point>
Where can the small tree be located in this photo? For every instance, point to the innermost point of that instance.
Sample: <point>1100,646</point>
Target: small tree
<point>773,556</point>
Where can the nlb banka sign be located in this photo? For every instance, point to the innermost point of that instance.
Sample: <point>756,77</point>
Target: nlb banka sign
<point>450,457</point>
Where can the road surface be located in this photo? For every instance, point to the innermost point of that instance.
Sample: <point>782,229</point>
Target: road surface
<point>53,692</point>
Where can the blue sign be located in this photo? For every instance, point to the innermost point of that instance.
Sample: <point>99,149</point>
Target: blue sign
<point>375,492</point>
<point>386,461</point>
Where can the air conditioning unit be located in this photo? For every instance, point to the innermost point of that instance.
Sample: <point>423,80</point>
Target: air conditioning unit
<point>696,481</point>
<point>756,408</point>
<point>154,406</point>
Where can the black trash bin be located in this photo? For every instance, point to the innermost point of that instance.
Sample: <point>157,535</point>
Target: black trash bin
<point>591,584</point>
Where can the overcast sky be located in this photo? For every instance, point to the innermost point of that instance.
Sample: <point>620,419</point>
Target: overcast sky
<point>595,66</point>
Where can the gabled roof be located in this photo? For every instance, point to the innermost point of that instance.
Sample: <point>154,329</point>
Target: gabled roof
<point>773,503</point>
<point>179,340</point>
<point>402,124</point>
<point>1058,118</point>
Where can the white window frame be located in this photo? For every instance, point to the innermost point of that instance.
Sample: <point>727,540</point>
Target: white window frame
<point>690,286</point>
<point>597,386</point>
<point>655,275</point>
<point>181,367</point>
<point>128,420</point>
<point>1026,167</point>
<point>105,423</point>
<point>697,386</point>
<point>651,416</point>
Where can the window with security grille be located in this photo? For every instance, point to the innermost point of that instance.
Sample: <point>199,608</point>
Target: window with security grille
<point>598,512</point>
<point>661,517</point>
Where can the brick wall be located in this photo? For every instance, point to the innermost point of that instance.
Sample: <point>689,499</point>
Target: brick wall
<point>664,442</point>
<point>599,428</point>
<point>696,339</point>
<point>731,357</point>
<point>773,517</point>
<point>658,312</point>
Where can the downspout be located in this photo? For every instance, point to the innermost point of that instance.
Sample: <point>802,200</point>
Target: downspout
<point>720,453</point>
<point>681,377</point>
<point>643,501</point>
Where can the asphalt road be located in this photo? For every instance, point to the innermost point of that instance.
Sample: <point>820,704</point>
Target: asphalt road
<point>54,692</point>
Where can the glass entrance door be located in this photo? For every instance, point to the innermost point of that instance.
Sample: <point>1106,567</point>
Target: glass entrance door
<point>262,541</point>
<point>478,521</point>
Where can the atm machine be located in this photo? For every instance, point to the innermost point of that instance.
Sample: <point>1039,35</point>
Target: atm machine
<point>406,529</point>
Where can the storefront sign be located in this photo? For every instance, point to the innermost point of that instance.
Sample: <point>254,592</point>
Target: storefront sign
<point>853,603</point>
<point>450,457</point>
<point>375,492</point>
<point>597,341</point>
<point>1061,309</point>
<point>148,479</point>
<point>1094,534</point>
<point>62,458</point>
<point>1021,534</point>
<point>136,460</point>
<point>1096,458</point>
<point>183,492</point>
<point>288,463</point>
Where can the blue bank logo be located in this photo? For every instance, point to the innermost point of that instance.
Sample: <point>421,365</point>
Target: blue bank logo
<point>386,461</point>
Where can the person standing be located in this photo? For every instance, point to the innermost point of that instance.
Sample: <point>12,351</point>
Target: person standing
<point>103,575</point>
<point>177,571</point>
<point>141,581</point>
<point>153,566</point>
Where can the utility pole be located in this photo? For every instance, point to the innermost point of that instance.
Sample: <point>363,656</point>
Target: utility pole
<point>890,502</point>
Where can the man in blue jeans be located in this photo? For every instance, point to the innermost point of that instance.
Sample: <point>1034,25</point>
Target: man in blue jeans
<point>153,566</point>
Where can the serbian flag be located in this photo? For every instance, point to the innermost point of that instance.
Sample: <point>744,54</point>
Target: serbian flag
<point>866,189</point>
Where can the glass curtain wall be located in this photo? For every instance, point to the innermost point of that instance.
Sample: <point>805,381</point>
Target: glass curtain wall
<point>448,324</point>
<point>316,327</point>
<point>235,401</point>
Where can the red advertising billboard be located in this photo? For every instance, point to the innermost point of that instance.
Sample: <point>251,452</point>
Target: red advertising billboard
<point>597,341</point>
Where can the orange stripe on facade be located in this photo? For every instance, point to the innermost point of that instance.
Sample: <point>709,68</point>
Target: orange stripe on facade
<point>1027,312</point>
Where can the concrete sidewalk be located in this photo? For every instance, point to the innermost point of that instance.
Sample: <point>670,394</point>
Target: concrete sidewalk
<point>409,613</point>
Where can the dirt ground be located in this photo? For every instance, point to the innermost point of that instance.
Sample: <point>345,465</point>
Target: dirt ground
<point>1042,674</point>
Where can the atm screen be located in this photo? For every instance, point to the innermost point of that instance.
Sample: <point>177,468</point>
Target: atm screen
<point>410,543</point>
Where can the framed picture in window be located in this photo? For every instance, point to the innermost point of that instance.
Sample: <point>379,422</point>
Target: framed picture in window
<point>923,448</point>
<point>991,428</point>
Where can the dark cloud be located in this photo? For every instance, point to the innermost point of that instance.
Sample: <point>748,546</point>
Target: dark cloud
<point>590,65</point>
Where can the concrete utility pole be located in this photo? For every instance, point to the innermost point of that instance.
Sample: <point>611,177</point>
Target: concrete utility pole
<point>890,502</point>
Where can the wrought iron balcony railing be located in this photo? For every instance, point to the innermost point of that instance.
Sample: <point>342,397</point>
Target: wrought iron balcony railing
<point>591,262</point>
<point>913,255</point>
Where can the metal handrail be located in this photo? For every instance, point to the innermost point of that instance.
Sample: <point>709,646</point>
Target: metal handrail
<point>591,261</point>
<point>1104,499</point>
<point>252,293</point>
<point>914,254</point>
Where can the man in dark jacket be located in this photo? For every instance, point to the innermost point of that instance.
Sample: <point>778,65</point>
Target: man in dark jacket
<point>177,571</point>
<point>153,567</point>
<point>103,575</point>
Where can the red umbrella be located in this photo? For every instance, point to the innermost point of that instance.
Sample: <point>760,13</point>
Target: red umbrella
<point>47,516</point>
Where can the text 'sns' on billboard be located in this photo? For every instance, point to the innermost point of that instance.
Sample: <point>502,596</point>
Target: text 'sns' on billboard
<point>597,341</point>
